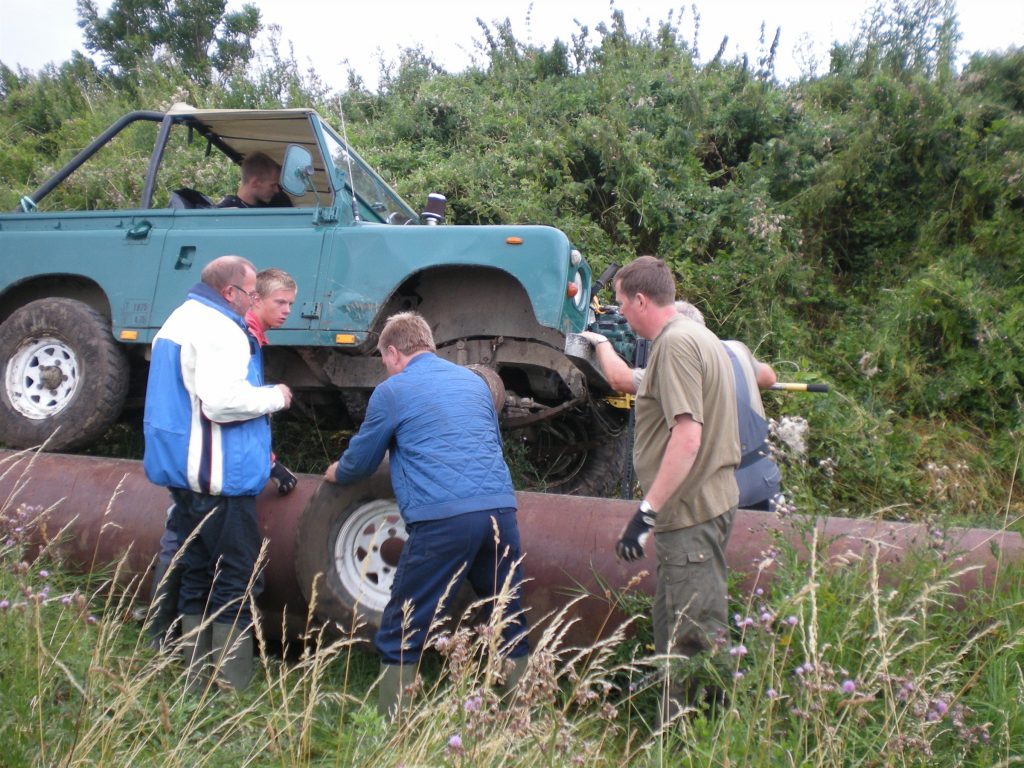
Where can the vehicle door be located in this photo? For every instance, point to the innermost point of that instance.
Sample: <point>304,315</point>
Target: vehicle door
<point>286,238</point>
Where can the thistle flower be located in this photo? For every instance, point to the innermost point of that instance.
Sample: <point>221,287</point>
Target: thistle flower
<point>848,686</point>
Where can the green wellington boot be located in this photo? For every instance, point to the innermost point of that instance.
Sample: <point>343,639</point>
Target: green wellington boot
<point>514,675</point>
<point>194,648</point>
<point>391,695</point>
<point>232,656</point>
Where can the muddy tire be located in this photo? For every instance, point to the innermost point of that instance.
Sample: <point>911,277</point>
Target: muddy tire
<point>64,375</point>
<point>346,551</point>
<point>347,548</point>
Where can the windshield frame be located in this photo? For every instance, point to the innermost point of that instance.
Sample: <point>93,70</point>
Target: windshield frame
<point>386,206</point>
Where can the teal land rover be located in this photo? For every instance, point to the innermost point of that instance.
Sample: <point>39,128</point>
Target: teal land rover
<point>83,292</point>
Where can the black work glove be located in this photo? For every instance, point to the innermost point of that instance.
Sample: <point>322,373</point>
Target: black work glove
<point>283,478</point>
<point>634,535</point>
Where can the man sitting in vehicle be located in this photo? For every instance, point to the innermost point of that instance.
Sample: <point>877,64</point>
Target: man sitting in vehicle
<point>259,187</point>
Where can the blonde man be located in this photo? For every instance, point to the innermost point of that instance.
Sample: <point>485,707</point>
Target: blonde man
<point>275,296</point>
<point>453,489</point>
<point>260,177</point>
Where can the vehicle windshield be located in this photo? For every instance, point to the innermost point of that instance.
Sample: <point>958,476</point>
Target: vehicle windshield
<point>377,201</point>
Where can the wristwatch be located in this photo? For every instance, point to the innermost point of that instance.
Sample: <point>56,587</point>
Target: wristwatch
<point>646,508</point>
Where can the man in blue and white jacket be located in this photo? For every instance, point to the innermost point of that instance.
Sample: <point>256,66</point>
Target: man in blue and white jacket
<point>454,492</point>
<point>207,438</point>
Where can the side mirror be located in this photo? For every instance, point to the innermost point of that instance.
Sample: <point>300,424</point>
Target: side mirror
<point>297,171</point>
<point>434,213</point>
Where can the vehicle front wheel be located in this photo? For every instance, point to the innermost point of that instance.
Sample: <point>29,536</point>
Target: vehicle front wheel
<point>65,376</point>
<point>580,453</point>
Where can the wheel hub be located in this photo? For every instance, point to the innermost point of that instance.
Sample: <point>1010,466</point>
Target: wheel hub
<point>366,552</point>
<point>42,377</point>
<point>51,376</point>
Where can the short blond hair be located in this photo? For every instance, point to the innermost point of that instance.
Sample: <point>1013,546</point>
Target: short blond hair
<point>407,332</point>
<point>273,279</point>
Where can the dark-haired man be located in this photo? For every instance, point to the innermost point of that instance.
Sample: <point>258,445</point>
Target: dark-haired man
<point>685,453</point>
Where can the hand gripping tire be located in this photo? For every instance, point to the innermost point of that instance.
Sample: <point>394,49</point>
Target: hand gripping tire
<point>63,369</point>
<point>347,546</point>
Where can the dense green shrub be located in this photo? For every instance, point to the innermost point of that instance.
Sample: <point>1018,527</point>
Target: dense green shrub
<point>863,227</point>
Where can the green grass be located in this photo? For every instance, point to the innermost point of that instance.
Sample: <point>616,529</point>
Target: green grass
<point>834,665</point>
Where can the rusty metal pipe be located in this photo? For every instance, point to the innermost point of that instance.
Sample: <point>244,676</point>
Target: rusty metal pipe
<point>110,509</point>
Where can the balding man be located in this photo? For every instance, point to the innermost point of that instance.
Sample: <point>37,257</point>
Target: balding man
<point>207,437</point>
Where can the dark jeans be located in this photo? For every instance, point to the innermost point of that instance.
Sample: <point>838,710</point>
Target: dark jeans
<point>216,566</point>
<point>433,554</point>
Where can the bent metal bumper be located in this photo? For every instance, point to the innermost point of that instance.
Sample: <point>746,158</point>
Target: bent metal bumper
<point>109,510</point>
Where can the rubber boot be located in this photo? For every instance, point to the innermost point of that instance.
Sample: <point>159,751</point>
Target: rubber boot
<point>232,656</point>
<point>391,696</point>
<point>195,653</point>
<point>163,604</point>
<point>515,674</point>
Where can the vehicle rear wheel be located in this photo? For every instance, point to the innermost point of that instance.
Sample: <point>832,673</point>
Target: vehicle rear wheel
<point>65,379</point>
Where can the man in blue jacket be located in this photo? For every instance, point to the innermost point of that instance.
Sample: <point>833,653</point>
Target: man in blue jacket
<point>454,492</point>
<point>207,438</point>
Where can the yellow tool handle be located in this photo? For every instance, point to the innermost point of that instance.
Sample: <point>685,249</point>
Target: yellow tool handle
<point>798,386</point>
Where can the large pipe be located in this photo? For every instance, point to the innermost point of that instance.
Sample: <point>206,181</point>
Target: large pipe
<point>111,510</point>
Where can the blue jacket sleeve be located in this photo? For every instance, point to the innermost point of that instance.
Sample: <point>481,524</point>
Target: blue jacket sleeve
<point>366,449</point>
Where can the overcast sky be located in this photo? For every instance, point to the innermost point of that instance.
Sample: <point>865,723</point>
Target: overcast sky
<point>360,33</point>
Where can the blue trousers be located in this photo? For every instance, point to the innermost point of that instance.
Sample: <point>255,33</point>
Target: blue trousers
<point>217,564</point>
<point>432,556</point>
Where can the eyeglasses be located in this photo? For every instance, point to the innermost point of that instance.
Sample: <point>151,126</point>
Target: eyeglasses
<point>252,296</point>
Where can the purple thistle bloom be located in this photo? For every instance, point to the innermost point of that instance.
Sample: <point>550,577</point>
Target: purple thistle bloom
<point>771,693</point>
<point>455,743</point>
<point>849,686</point>
<point>4,605</point>
<point>792,621</point>
<point>738,650</point>
<point>44,574</point>
<point>940,707</point>
<point>66,600</point>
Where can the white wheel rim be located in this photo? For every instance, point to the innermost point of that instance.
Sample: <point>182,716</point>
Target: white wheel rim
<point>42,377</point>
<point>365,570</point>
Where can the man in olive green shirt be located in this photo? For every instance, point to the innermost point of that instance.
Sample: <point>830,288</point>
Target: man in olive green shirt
<point>686,451</point>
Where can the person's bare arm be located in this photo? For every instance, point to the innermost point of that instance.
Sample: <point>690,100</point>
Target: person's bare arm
<point>614,368</point>
<point>677,461</point>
